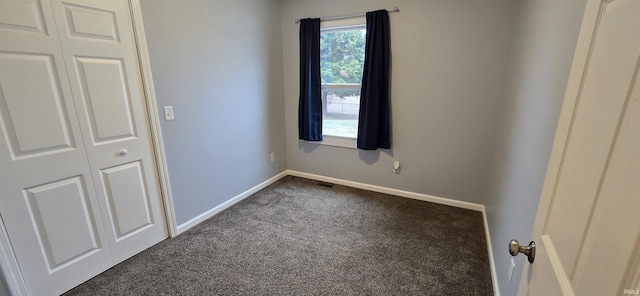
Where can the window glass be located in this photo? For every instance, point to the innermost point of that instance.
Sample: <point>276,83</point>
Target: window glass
<point>341,66</point>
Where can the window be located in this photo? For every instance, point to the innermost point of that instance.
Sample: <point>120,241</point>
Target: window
<point>332,61</point>
<point>341,67</point>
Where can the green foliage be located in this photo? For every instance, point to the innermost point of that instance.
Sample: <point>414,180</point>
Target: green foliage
<point>342,56</point>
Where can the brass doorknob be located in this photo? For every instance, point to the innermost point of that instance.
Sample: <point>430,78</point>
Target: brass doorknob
<point>530,251</point>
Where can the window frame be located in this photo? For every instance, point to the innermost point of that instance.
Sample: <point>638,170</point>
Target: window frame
<point>329,26</point>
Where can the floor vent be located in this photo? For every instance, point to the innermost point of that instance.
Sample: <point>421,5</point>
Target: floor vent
<point>325,184</point>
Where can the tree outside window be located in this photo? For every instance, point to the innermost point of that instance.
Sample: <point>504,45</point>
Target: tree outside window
<point>341,67</point>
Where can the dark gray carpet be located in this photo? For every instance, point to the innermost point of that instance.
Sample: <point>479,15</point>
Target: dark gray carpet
<point>298,238</point>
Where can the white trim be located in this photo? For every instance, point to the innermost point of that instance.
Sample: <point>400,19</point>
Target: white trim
<point>397,192</point>
<point>10,267</point>
<point>225,205</point>
<point>354,86</point>
<point>492,262</point>
<point>336,141</point>
<point>154,118</point>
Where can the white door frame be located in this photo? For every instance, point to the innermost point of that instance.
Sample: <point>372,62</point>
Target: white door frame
<point>8,262</point>
<point>154,118</point>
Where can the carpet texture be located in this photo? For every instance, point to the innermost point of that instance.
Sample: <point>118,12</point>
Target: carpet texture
<point>296,237</point>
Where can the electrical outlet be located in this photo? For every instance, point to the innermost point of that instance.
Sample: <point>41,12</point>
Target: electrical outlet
<point>512,268</point>
<point>273,156</point>
<point>168,113</point>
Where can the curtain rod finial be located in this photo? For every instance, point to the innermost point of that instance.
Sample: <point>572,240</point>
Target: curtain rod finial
<point>396,9</point>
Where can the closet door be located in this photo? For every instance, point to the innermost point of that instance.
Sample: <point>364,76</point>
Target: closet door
<point>99,50</point>
<point>78,183</point>
<point>47,198</point>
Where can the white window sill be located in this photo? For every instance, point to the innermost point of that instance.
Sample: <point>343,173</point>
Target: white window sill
<point>338,142</point>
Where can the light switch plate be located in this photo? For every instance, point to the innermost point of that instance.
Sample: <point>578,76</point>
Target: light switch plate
<point>168,113</point>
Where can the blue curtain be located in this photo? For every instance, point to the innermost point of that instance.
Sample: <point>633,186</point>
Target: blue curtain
<point>374,129</point>
<point>310,102</point>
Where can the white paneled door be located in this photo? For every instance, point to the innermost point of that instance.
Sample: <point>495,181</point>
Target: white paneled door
<point>78,183</point>
<point>100,56</point>
<point>588,225</point>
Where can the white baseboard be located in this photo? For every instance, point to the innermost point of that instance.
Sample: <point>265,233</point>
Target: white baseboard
<point>398,192</point>
<point>210,213</point>
<point>492,263</point>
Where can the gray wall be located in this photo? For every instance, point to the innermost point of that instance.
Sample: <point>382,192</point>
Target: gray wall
<point>476,92</point>
<point>219,64</point>
<point>540,62</point>
<point>448,72</point>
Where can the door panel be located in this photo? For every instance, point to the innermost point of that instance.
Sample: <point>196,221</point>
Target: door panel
<point>89,22</point>
<point>128,199</point>
<point>621,201</point>
<point>49,204</point>
<point>100,54</point>
<point>588,228</point>
<point>106,97</point>
<point>22,15</point>
<point>605,89</point>
<point>42,124</point>
<point>63,238</point>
